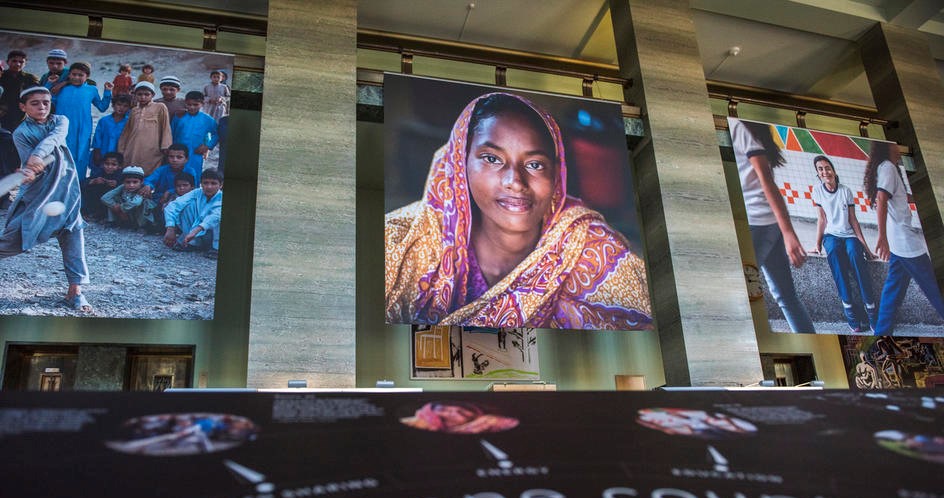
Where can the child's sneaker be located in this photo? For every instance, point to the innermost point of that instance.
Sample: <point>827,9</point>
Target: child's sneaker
<point>851,319</point>
<point>872,312</point>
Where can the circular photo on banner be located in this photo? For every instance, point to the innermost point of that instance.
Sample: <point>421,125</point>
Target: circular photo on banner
<point>177,434</point>
<point>920,446</point>
<point>457,417</point>
<point>697,423</point>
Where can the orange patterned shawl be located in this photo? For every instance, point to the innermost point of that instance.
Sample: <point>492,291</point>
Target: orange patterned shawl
<point>581,274</point>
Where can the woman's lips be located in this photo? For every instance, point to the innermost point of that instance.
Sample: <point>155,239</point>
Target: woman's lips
<point>515,204</point>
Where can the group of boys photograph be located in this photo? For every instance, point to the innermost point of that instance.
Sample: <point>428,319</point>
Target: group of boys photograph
<point>115,151</point>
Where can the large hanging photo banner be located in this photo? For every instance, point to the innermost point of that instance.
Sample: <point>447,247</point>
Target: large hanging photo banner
<point>118,214</point>
<point>835,233</point>
<point>508,209</point>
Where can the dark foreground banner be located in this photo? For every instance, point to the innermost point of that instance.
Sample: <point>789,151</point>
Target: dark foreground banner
<point>508,209</point>
<point>609,445</point>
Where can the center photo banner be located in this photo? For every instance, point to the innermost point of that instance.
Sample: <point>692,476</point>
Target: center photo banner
<point>507,208</point>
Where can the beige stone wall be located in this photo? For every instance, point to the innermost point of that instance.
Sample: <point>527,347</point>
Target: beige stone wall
<point>303,289</point>
<point>699,296</point>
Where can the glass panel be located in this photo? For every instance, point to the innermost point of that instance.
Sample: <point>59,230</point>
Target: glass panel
<point>239,43</point>
<point>839,125</point>
<point>47,22</point>
<point>766,114</point>
<point>608,91</point>
<point>150,33</point>
<point>454,70</point>
<point>719,107</point>
<point>531,80</point>
<point>378,60</point>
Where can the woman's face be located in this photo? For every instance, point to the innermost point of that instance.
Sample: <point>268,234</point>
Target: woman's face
<point>512,172</point>
<point>894,154</point>
<point>825,172</point>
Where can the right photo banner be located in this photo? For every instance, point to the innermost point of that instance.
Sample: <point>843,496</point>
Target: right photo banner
<point>835,232</point>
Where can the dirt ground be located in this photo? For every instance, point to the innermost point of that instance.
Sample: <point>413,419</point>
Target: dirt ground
<point>133,275</point>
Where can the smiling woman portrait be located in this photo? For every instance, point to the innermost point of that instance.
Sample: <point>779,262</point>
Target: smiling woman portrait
<point>497,242</point>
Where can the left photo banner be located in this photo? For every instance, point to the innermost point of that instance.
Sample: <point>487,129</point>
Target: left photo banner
<point>112,187</point>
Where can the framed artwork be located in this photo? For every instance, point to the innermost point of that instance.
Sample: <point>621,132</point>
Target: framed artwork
<point>441,352</point>
<point>893,362</point>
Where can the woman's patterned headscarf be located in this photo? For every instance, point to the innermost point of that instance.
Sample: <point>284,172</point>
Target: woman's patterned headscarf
<point>447,193</point>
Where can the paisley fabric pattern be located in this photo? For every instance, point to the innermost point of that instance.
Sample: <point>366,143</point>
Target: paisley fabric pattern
<point>581,274</point>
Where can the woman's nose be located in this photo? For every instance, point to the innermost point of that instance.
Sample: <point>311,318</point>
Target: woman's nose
<point>513,176</point>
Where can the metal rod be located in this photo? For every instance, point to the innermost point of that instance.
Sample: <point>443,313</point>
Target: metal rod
<point>159,13</point>
<point>796,103</point>
<point>483,54</point>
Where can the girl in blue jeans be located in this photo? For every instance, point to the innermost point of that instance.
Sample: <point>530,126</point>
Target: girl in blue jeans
<point>776,245</point>
<point>847,252</point>
<point>899,241</point>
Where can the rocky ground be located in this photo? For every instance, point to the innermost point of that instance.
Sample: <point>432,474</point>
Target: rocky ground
<point>133,275</point>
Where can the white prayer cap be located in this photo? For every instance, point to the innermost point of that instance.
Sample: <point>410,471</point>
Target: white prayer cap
<point>34,89</point>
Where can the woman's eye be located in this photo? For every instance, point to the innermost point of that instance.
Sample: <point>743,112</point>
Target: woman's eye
<point>491,159</point>
<point>535,165</point>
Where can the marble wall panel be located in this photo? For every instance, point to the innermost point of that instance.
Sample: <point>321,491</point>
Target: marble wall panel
<point>699,295</point>
<point>303,289</point>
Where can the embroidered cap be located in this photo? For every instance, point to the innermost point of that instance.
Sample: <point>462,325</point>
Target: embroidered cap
<point>34,89</point>
<point>170,80</point>
<point>132,171</point>
<point>145,84</point>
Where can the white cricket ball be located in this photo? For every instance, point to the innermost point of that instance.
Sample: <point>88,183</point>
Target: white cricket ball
<point>54,208</point>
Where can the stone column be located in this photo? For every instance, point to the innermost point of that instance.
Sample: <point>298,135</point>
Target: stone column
<point>698,291</point>
<point>302,305</point>
<point>908,92</point>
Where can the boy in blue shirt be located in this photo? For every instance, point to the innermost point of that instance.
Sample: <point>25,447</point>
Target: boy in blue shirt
<point>195,129</point>
<point>75,102</point>
<point>109,131</point>
<point>190,218</point>
<point>183,184</point>
<point>126,206</point>
<point>161,180</point>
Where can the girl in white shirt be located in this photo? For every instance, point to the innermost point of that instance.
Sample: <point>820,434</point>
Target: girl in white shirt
<point>776,245</point>
<point>846,250</point>
<point>899,241</point>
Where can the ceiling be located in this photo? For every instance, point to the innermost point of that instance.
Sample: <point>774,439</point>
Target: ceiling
<point>806,47</point>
